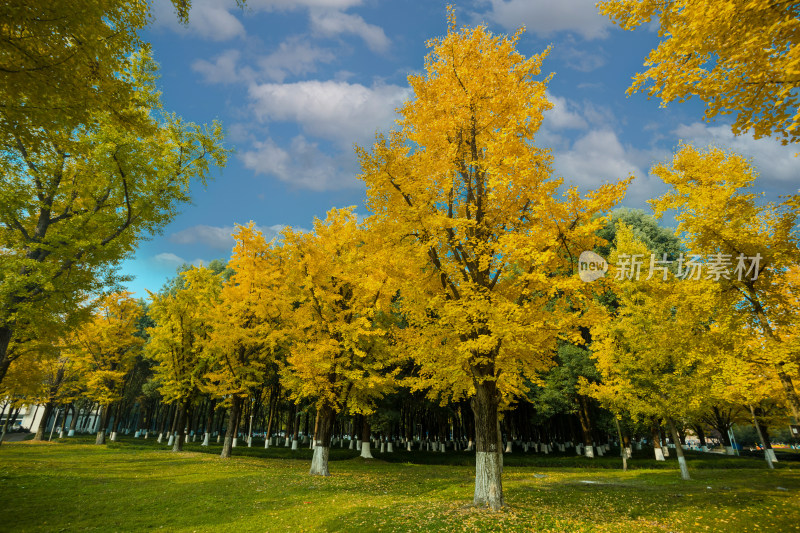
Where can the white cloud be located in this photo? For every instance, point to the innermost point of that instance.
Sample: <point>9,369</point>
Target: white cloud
<point>776,164</point>
<point>217,237</point>
<point>547,18</point>
<point>209,19</point>
<point>222,70</point>
<point>599,156</point>
<point>332,23</point>
<point>171,260</point>
<point>294,56</point>
<point>335,110</point>
<point>563,115</point>
<point>302,164</point>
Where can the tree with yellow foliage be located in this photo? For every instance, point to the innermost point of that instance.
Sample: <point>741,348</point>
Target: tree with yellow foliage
<point>244,326</point>
<point>104,350</point>
<point>737,56</point>
<point>753,246</point>
<point>655,352</point>
<point>484,241</point>
<point>339,355</point>
<point>175,343</point>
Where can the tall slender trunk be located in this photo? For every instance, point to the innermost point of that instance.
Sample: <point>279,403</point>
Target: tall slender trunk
<point>48,410</point>
<point>177,445</point>
<point>5,424</point>
<point>322,440</point>
<point>488,446</point>
<point>678,450</point>
<point>586,425</point>
<point>233,417</point>
<point>622,451</point>
<point>273,407</point>
<point>101,430</point>
<point>6,332</point>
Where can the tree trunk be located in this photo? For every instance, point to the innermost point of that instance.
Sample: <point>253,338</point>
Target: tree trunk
<point>236,404</point>
<point>658,449</point>
<point>488,447</point>
<point>761,438</point>
<point>73,423</point>
<point>6,332</point>
<point>678,450</point>
<point>366,432</point>
<point>48,410</point>
<point>322,441</point>
<point>622,451</point>
<point>101,430</point>
<point>586,425</point>
<point>209,422</point>
<point>177,446</point>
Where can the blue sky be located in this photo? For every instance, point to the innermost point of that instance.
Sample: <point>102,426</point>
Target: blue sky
<point>297,82</point>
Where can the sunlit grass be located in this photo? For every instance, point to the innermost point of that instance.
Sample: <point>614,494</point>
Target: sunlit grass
<point>138,486</point>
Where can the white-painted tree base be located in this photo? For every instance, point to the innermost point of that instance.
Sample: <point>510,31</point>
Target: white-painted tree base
<point>488,480</point>
<point>659,454</point>
<point>383,447</point>
<point>160,436</point>
<point>771,454</point>
<point>684,468</point>
<point>249,442</point>
<point>665,450</point>
<point>171,440</point>
<point>365,450</point>
<point>600,451</point>
<point>589,452</point>
<point>294,444</point>
<point>319,461</point>
<point>71,433</point>
<point>442,447</point>
<point>389,448</point>
<point>408,446</point>
<point>235,442</point>
<point>628,452</point>
<point>136,435</point>
<point>218,438</point>
<point>508,447</point>
<point>352,445</point>
<point>469,445</point>
<point>206,439</point>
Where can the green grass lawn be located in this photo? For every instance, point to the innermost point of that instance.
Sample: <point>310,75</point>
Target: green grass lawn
<point>137,485</point>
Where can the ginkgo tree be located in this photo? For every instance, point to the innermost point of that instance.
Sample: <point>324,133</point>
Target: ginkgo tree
<point>245,326</point>
<point>737,56</point>
<point>105,349</point>
<point>175,343</point>
<point>340,355</point>
<point>485,241</point>
<point>754,243</point>
<point>655,352</point>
